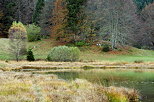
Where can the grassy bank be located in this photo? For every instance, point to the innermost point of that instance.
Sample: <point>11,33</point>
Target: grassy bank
<point>92,53</point>
<point>43,65</point>
<point>25,87</point>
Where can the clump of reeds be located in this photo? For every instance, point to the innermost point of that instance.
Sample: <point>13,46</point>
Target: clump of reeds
<point>26,87</point>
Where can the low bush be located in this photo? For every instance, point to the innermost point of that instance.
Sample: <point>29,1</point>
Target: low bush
<point>139,46</point>
<point>81,43</point>
<point>138,61</point>
<point>64,53</point>
<point>70,44</point>
<point>33,32</point>
<point>106,48</point>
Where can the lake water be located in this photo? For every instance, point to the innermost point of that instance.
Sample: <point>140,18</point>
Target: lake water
<point>139,80</point>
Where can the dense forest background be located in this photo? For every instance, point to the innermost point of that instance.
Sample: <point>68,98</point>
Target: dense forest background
<point>120,22</point>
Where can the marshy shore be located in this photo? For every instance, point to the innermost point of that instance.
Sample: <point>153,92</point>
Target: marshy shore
<point>27,87</point>
<point>13,65</point>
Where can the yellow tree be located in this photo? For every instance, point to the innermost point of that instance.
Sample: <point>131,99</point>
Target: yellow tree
<point>18,40</point>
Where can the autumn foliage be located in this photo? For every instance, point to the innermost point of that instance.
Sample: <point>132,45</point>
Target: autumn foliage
<point>58,20</point>
<point>66,20</point>
<point>18,39</point>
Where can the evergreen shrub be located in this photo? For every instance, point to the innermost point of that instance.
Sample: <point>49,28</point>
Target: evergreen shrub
<point>30,56</point>
<point>106,48</point>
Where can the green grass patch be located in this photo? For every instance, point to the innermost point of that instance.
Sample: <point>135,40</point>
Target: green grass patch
<point>42,48</point>
<point>4,49</point>
<point>136,55</point>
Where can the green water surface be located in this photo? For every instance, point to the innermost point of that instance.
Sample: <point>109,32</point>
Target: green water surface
<point>143,81</point>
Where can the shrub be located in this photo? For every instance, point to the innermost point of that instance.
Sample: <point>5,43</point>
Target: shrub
<point>106,48</point>
<point>81,43</point>
<point>30,56</point>
<point>70,44</point>
<point>75,53</point>
<point>33,32</point>
<point>139,46</point>
<point>138,61</point>
<point>64,53</point>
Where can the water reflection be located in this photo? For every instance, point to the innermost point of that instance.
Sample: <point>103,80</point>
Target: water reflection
<point>144,85</point>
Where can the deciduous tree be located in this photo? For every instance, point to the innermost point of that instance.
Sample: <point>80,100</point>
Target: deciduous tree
<point>18,39</point>
<point>115,19</point>
<point>59,21</point>
<point>147,28</point>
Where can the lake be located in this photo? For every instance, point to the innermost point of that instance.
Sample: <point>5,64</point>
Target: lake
<point>141,80</point>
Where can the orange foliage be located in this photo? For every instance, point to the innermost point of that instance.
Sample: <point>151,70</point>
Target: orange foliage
<point>59,20</point>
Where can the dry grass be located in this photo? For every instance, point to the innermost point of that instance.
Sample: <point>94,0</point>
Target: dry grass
<point>73,65</point>
<point>25,87</point>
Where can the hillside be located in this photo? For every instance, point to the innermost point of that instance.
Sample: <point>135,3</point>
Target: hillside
<point>88,53</point>
<point>128,23</point>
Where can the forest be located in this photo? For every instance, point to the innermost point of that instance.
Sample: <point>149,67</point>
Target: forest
<point>123,22</point>
<point>77,50</point>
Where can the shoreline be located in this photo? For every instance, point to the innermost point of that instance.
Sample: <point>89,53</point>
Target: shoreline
<point>13,65</point>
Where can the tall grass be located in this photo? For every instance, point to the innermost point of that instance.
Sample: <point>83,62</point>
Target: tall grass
<point>24,87</point>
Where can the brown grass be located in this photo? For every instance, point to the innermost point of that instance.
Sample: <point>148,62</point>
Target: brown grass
<point>26,87</point>
<point>73,65</point>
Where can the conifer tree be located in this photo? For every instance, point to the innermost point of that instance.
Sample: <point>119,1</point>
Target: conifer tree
<point>1,24</point>
<point>38,11</point>
<point>30,56</point>
<point>142,3</point>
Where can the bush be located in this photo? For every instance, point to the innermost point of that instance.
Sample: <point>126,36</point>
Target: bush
<point>138,61</point>
<point>30,56</point>
<point>106,48</point>
<point>139,46</point>
<point>64,53</point>
<point>33,32</point>
<point>81,43</point>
